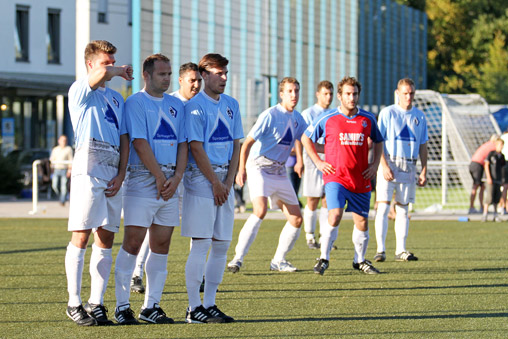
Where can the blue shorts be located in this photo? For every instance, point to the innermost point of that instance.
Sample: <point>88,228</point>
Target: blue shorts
<point>337,195</point>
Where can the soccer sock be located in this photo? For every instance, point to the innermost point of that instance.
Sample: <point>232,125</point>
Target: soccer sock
<point>194,269</point>
<point>328,236</point>
<point>247,235</point>
<point>361,241</point>
<point>124,266</point>
<point>309,222</point>
<point>74,263</point>
<point>287,240</point>
<point>215,270</point>
<point>156,273</point>
<point>381,225</point>
<point>323,218</point>
<point>141,258</point>
<point>401,228</point>
<point>100,269</point>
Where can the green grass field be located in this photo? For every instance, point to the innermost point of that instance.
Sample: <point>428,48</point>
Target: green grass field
<point>459,288</point>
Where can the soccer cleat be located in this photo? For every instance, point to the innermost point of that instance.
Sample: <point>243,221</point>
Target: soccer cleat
<point>137,285</point>
<point>155,315</point>
<point>365,267</point>
<point>214,311</point>
<point>125,317</point>
<point>282,266</point>
<point>234,266</point>
<point>201,316</point>
<point>405,256</point>
<point>99,313</point>
<point>484,218</point>
<point>380,256</point>
<point>79,316</point>
<point>312,244</point>
<point>472,210</point>
<point>321,266</point>
<point>496,219</point>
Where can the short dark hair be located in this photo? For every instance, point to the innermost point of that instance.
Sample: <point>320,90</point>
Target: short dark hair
<point>190,66</point>
<point>212,60</point>
<point>96,46</point>
<point>351,81</point>
<point>287,80</point>
<point>326,84</point>
<point>150,61</point>
<point>406,81</point>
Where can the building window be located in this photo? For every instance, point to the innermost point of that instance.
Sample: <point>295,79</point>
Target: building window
<point>53,36</point>
<point>21,33</point>
<point>102,12</point>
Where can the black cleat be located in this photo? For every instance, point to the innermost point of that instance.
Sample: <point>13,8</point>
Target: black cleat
<point>365,267</point>
<point>321,266</point>
<point>125,317</point>
<point>405,256</point>
<point>137,285</point>
<point>214,311</point>
<point>99,313</point>
<point>201,316</point>
<point>79,316</point>
<point>155,315</point>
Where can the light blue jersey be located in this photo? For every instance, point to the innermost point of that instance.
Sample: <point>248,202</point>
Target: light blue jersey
<point>310,114</point>
<point>275,133</point>
<point>404,132</point>
<point>214,123</point>
<point>161,122</point>
<point>97,117</point>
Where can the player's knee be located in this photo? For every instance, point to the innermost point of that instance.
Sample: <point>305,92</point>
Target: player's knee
<point>296,221</point>
<point>402,210</point>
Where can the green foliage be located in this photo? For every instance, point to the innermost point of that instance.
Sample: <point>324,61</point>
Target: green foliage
<point>456,290</point>
<point>10,177</point>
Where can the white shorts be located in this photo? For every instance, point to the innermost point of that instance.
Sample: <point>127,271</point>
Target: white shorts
<point>144,212</point>
<point>273,186</point>
<point>89,207</point>
<point>313,185</point>
<point>201,218</point>
<point>405,193</point>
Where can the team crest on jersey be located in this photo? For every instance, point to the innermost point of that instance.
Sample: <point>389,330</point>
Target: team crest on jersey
<point>116,102</point>
<point>172,111</point>
<point>416,121</point>
<point>229,112</point>
<point>296,124</point>
<point>364,124</point>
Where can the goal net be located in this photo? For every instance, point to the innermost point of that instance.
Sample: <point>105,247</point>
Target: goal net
<point>457,126</point>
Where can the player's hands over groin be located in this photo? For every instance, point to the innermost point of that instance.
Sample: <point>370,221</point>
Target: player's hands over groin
<point>220,193</point>
<point>114,186</point>
<point>169,188</point>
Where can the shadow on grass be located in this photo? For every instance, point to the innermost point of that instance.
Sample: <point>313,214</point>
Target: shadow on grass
<point>29,250</point>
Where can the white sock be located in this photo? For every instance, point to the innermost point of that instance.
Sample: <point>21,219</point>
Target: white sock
<point>401,228</point>
<point>381,225</point>
<point>328,236</point>
<point>323,217</point>
<point>194,269</point>
<point>74,263</point>
<point>287,240</point>
<point>309,222</point>
<point>361,241</point>
<point>215,270</point>
<point>124,266</point>
<point>142,255</point>
<point>246,237</point>
<point>100,269</point>
<point>156,273</point>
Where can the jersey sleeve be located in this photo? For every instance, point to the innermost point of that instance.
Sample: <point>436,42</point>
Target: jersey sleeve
<point>302,126</point>
<point>306,116</point>
<point>237,127</point>
<point>194,122</point>
<point>79,92</point>
<point>425,134</point>
<point>182,135</point>
<point>382,122</point>
<point>375,133</point>
<point>316,130</point>
<point>135,119</point>
<point>261,126</point>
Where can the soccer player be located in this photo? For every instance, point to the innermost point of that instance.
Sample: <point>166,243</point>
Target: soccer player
<point>476,169</point>
<point>155,124</point>
<point>346,170</point>
<point>313,186</point>
<point>98,171</point>
<point>190,85</point>
<point>404,129</point>
<point>214,129</point>
<point>494,165</point>
<point>262,161</point>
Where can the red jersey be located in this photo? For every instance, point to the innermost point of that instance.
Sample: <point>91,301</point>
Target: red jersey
<point>481,153</point>
<point>346,146</point>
